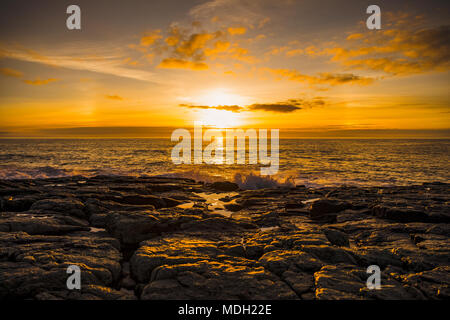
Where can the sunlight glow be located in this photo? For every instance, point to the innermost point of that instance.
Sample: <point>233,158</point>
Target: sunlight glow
<point>219,118</point>
<point>221,97</point>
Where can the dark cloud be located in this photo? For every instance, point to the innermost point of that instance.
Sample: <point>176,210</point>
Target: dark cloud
<point>275,107</point>
<point>325,78</point>
<point>287,106</point>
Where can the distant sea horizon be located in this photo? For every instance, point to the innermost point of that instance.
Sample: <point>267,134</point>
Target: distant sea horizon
<point>148,132</point>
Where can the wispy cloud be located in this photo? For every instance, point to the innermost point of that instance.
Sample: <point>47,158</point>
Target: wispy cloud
<point>39,82</point>
<point>114,97</point>
<point>11,73</point>
<point>325,78</point>
<point>173,63</point>
<point>112,64</point>
<point>233,12</point>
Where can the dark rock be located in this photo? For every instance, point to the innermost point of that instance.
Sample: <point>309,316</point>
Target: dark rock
<point>294,205</point>
<point>170,203</point>
<point>192,268</point>
<point>434,283</point>
<point>224,186</point>
<point>67,206</point>
<point>169,251</point>
<point>17,204</point>
<point>339,282</point>
<point>399,214</point>
<point>280,261</point>
<point>269,219</point>
<point>321,208</point>
<point>217,224</point>
<point>155,201</point>
<point>87,292</point>
<point>44,224</point>
<point>96,206</point>
<point>133,227</point>
<point>337,237</point>
<point>300,282</point>
<point>235,250</point>
<point>331,255</point>
<point>30,265</point>
<point>128,283</point>
<point>233,207</point>
<point>273,247</point>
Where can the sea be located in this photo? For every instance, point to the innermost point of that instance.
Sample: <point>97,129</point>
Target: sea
<point>309,162</point>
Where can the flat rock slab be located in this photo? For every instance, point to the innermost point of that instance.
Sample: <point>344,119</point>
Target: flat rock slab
<point>194,268</point>
<point>32,265</point>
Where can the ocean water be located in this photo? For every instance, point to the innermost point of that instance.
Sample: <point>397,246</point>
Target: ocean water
<point>321,162</point>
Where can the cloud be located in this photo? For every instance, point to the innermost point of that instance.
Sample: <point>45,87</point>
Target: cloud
<point>263,22</point>
<point>39,82</point>
<point>326,78</point>
<point>233,108</point>
<point>237,31</point>
<point>307,104</point>
<point>243,55</point>
<point>107,62</point>
<point>295,52</point>
<point>150,37</point>
<point>185,50</point>
<point>275,107</point>
<point>288,106</point>
<point>404,49</point>
<point>219,47</point>
<point>406,45</point>
<point>173,63</point>
<point>114,97</point>
<point>249,14</point>
<point>183,46</point>
<point>11,73</point>
<point>194,46</point>
<point>355,36</point>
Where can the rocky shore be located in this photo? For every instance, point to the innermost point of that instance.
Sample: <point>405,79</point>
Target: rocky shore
<point>167,238</point>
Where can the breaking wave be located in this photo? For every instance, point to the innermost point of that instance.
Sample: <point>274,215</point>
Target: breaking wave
<point>247,181</point>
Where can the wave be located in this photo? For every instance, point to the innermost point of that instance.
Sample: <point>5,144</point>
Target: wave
<point>8,172</point>
<point>245,181</point>
<point>13,173</point>
<point>253,181</point>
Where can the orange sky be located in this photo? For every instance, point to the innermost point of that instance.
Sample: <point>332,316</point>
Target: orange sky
<point>288,64</point>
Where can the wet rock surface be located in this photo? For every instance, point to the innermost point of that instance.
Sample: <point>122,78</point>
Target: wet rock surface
<point>164,238</point>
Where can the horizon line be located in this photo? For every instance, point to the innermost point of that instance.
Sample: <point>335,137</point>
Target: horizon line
<point>165,132</point>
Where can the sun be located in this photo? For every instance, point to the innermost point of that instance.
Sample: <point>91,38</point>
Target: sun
<point>220,97</point>
<point>220,118</point>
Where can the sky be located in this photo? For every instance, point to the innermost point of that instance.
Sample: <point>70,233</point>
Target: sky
<point>312,66</point>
